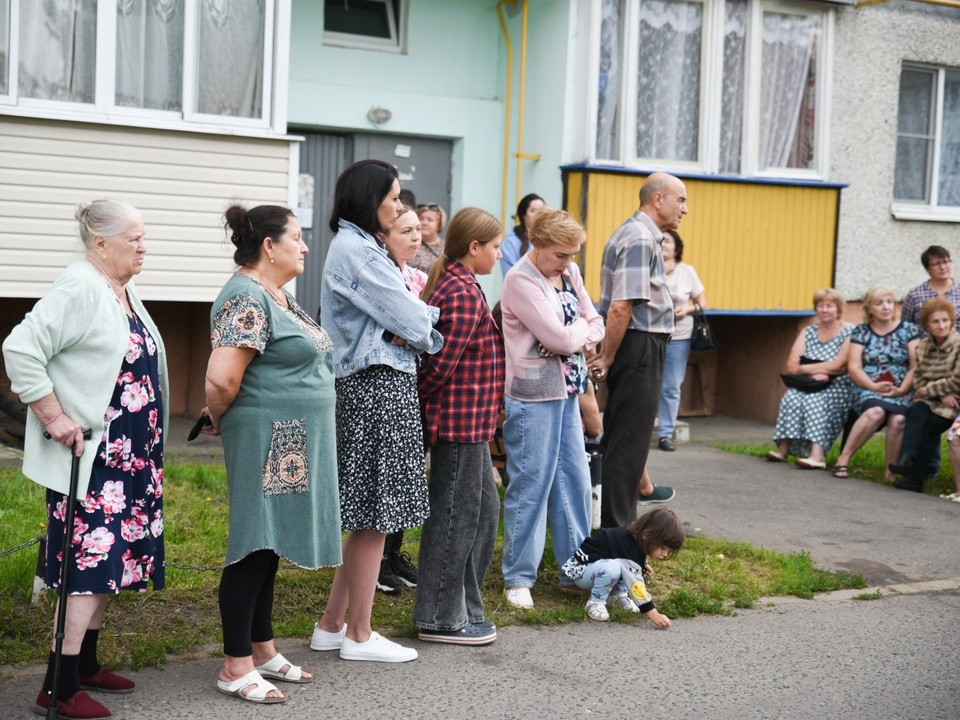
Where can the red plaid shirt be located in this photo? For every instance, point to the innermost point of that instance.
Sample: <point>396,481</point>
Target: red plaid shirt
<point>461,386</point>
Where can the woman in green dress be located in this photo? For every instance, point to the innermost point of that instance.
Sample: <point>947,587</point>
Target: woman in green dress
<point>271,398</point>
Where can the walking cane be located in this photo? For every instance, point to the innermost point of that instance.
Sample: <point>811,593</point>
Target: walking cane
<point>64,575</point>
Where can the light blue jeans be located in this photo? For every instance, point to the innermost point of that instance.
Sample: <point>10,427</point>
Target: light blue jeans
<point>549,480</point>
<point>674,370</point>
<point>601,578</point>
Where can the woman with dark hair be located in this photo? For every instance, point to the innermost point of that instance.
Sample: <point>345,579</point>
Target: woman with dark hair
<point>688,296</point>
<point>378,329</point>
<point>270,397</point>
<point>937,382</point>
<point>936,261</point>
<point>517,242</point>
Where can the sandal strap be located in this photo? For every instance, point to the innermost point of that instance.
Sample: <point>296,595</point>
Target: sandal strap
<point>275,665</point>
<point>252,678</point>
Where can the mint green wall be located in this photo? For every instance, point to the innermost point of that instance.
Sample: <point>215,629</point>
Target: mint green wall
<point>447,85</point>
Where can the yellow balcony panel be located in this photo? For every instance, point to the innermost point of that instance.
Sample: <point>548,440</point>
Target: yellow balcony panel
<point>760,246</point>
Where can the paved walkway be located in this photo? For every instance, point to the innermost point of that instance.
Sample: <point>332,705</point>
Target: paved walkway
<point>896,657</point>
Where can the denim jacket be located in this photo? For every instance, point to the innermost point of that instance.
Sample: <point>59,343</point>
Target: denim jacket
<point>364,303</point>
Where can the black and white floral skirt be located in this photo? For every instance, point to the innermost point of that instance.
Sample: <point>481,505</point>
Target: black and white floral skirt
<point>383,480</point>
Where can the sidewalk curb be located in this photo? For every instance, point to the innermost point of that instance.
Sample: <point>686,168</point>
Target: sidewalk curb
<point>842,596</point>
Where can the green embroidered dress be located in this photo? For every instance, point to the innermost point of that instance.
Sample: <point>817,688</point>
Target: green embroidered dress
<point>279,437</point>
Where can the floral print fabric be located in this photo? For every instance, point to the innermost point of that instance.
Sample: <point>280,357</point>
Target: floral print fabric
<point>574,366</point>
<point>118,527</point>
<point>885,357</point>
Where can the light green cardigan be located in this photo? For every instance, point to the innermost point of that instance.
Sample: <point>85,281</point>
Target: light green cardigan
<point>73,343</point>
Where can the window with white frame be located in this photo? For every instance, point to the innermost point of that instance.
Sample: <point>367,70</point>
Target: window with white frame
<point>182,61</point>
<point>721,86</point>
<point>926,181</point>
<point>365,24</point>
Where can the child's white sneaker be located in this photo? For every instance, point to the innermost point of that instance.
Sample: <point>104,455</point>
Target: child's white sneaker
<point>519,597</point>
<point>597,611</point>
<point>623,601</point>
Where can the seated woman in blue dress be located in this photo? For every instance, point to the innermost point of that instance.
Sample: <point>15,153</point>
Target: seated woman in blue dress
<point>881,366</point>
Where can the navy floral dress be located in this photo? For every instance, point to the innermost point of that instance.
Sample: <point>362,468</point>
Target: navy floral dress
<point>885,357</point>
<point>118,528</point>
<point>575,365</point>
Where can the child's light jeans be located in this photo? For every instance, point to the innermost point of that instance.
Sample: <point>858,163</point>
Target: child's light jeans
<point>601,578</point>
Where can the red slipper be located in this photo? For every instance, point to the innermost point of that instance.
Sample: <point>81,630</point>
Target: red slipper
<point>106,681</point>
<point>80,707</point>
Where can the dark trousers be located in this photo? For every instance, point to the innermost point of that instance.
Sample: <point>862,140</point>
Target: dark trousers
<point>921,440</point>
<point>634,396</point>
<point>458,538</point>
<point>246,602</point>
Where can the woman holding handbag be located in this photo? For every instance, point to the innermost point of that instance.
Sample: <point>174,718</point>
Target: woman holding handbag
<point>688,296</point>
<point>809,422</point>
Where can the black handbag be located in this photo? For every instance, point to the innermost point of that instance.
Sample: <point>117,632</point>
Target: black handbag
<point>703,339</point>
<point>805,383</point>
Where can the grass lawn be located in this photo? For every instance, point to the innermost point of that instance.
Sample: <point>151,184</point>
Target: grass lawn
<point>707,576</point>
<point>867,464</point>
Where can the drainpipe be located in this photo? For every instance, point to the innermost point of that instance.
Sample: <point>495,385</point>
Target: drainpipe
<point>507,104</point>
<point>520,155</point>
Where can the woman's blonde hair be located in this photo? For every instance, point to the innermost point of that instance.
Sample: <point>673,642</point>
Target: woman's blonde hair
<point>433,207</point>
<point>875,293</point>
<point>833,296</point>
<point>555,227</point>
<point>467,225</point>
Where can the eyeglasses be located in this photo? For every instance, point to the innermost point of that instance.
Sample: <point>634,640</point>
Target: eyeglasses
<point>940,263</point>
<point>428,206</point>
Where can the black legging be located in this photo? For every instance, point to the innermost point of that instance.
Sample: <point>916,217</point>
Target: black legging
<point>246,602</point>
<point>921,440</point>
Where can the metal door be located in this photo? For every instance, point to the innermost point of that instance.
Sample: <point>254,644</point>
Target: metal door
<point>424,164</point>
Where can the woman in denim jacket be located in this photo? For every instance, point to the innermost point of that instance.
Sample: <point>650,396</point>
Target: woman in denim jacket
<point>378,329</point>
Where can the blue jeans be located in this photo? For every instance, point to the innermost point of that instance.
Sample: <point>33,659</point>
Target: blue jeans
<point>674,370</point>
<point>458,538</point>
<point>549,480</point>
<point>601,578</point>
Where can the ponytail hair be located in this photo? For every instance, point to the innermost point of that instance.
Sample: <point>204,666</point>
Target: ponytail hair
<point>249,228</point>
<point>467,225</point>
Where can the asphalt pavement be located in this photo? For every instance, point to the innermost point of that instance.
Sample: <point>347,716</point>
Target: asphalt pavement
<point>830,657</point>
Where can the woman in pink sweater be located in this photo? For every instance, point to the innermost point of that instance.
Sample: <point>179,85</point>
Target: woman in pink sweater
<point>548,321</point>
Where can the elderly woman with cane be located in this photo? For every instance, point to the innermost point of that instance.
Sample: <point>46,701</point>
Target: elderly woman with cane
<point>89,356</point>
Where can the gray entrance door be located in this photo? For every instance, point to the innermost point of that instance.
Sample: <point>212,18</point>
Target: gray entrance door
<point>424,165</point>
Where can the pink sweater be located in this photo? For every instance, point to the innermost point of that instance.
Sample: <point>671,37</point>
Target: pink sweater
<point>532,315</point>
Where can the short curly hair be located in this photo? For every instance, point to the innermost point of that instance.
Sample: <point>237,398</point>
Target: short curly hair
<point>833,296</point>
<point>937,304</point>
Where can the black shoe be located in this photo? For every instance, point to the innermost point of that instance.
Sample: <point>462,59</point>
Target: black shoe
<point>666,444</point>
<point>903,466</point>
<point>900,485</point>
<point>403,568</point>
<point>388,582</point>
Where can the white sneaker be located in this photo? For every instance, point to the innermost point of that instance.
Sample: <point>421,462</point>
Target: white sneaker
<point>323,640</point>
<point>519,597</point>
<point>623,601</point>
<point>597,611</point>
<point>376,649</point>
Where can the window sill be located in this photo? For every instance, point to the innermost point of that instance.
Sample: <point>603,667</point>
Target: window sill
<point>925,213</point>
<point>144,122</point>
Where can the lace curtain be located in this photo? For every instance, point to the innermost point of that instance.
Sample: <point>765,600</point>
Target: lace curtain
<point>58,49</point>
<point>150,54</point>
<point>608,85</point>
<point>668,80</point>
<point>4,44</point>
<point>788,89</point>
<point>732,89</point>
<point>230,58</point>
<point>949,190</point>
<point>914,135</point>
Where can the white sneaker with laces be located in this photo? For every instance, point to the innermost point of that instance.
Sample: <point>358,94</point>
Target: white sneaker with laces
<point>597,611</point>
<point>519,597</point>
<point>376,649</point>
<point>624,601</point>
<point>324,640</point>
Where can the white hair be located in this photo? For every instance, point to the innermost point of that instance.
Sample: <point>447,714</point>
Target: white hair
<point>106,218</point>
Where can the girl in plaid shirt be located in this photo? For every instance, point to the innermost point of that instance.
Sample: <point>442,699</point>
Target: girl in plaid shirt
<point>461,392</point>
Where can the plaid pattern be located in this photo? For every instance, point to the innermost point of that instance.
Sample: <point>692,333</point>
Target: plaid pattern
<point>919,295</point>
<point>461,386</point>
<point>633,270</point>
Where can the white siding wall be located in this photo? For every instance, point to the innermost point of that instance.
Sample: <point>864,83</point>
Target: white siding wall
<point>181,182</point>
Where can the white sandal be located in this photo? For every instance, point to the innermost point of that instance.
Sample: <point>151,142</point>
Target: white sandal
<point>273,669</point>
<point>257,695</point>
<point>597,611</point>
